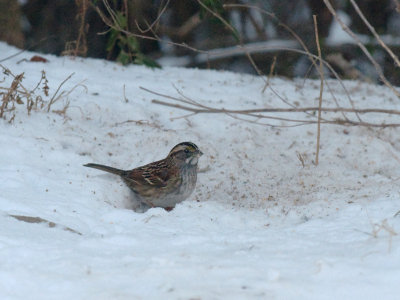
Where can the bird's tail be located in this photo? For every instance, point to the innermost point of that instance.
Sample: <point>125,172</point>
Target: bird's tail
<point>105,168</point>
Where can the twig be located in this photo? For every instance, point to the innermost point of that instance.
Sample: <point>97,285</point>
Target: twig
<point>191,102</point>
<point>275,110</point>
<point>150,26</point>
<point>218,17</point>
<point>306,51</point>
<point>126,99</point>
<point>113,24</point>
<point>197,108</point>
<point>372,29</point>
<point>36,220</point>
<point>362,47</point>
<point>271,73</point>
<point>229,26</point>
<point>251,114</point>
<point>343,122</point>
<point>53,99</point>
<point>321,89</point>
<point>288,110</point>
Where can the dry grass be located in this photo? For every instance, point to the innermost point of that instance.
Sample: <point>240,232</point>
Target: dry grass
<point>35,99</point>
<point>11,97</point>
<point>382,227</point>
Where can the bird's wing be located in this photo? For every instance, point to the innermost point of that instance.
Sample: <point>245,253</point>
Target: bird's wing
<point>154,174</point>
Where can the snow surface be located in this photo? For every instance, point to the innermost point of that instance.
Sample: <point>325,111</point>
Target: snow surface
<point>260,225</point>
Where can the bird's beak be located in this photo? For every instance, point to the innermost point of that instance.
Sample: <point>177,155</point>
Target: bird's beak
<point>200,153</point>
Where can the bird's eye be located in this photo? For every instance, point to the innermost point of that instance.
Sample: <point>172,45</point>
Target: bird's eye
<point>186,151</point>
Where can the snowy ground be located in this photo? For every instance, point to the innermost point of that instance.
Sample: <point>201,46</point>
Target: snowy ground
<point>260,225</point>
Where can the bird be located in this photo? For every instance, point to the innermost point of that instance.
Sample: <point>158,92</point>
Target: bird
<point>162,183</point>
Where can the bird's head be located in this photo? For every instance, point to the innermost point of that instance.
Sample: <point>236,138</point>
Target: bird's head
<point>186,153</point>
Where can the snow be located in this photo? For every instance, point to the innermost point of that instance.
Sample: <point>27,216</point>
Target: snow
<point>260,225</point>
<point>337,36</point>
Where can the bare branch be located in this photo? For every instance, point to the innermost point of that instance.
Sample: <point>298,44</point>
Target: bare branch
<point>196,108</point>
<point>150,27</point>
<point>321,89</point>
<point>306,51</point>
<point>362,47</point>
<point>372,29</point>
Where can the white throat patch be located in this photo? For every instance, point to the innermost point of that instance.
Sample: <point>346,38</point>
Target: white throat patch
<point>192,160</point>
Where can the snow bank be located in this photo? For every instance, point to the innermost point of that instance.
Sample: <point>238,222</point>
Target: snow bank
<point>259,225</point>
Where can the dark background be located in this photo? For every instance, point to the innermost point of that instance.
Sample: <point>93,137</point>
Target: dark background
<point>66,27</point>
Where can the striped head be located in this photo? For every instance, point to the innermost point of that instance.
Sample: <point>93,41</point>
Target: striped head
<point>185,153</point>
